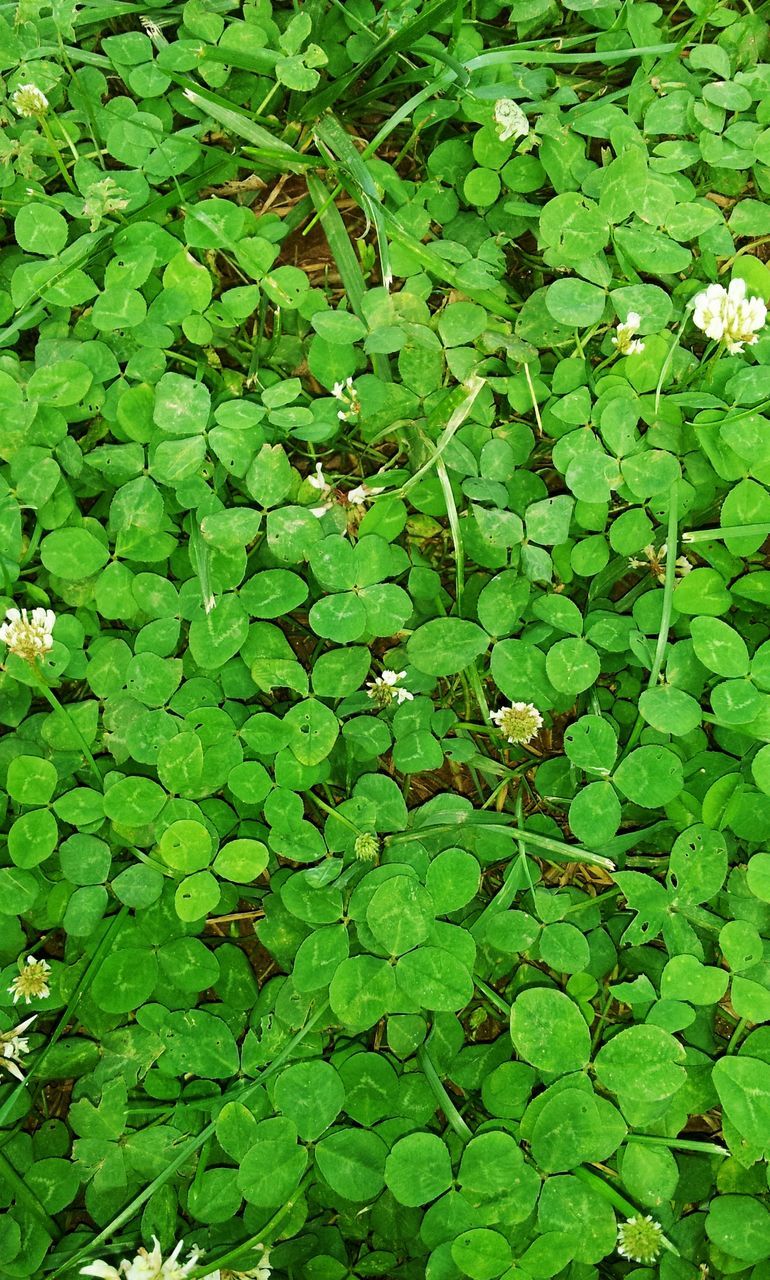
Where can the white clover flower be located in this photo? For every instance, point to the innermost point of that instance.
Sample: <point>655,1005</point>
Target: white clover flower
<point>13,1045</point>
<point>640,1239</point>
<point>727,315</point>
<point>510,120</point>
<point>654,561</point>
<point>518,723</point>
<point>29,101</point>
<point>28,635</point>
<point>362,493</point>
<point>319,482</point>
<point>709,311</point>
<point>32,982</point>
<point>624,339</point>
<point>346,392</point>
<point>745,317</point>
<point>262,1271</point>
<point>147,1265</point>
<point>384,689</point>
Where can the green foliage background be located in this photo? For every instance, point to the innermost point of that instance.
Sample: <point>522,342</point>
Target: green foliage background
<point>544,1007</point>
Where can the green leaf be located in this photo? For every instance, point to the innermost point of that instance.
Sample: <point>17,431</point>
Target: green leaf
<point>418,1169</point>
<point>743,1086</point>
<point>73,554</point>
<point>125,980</point>
<point>549,1031</point>
<point>445,646</point>
<point>650,776</point>
<point>642,1063</point>
<point>352,1161</point>
<point>740,1226</point>
<point>312,1095</point>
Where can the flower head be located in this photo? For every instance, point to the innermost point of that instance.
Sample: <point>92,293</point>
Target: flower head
<point>510,120</point>
<point>366,847</point>
<point>709,311</point>
<point>745,317</point>
<point>262,1271</point>
<point>319,482</point>
<point>727,315</point>
<point>362,493</point>
<point>29,101</point>
<point>346,392</point>
<point>624,339</point>
<point>13,1045</point>
<point>28,635</point>
<point>654,561</point>
<point>640,1239</point>
<point>384,689</point>
<point>519,722</point>
<point>32,982</point>
<point>147,1265</point>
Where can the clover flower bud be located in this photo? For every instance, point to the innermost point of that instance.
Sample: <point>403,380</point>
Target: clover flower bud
<point>366,847</point>
<point>640,1239</point>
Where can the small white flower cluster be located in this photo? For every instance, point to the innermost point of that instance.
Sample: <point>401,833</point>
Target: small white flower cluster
<point>152,1266</point>
<point>346,392</point>
<point>654,562</point>
<point>29,636</point>
<point>13,1046</point>
<point>510,120</point>
<point>319,482</point>
<point>728,316</point>
<point>355,497</point>
<point>362,493</point>
<point>385,689</point>
<point>624,339</point>
<point>518,723</point>
<point>32,982</point>
<point>147,1265</point>
<point>640,1239</point>
<point>29,101</point>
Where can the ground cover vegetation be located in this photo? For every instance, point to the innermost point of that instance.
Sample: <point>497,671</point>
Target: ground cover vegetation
<point>385,689</point>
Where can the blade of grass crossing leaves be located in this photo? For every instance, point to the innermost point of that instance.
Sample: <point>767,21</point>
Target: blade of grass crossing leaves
<point>404,38</point>
<point>345,257</point>
<point>672,536</point>
<point>331,133</point>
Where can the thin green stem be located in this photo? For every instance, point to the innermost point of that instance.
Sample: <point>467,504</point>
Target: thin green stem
<point>442,1097</point>
<point>62,710</point>
<point>557,850</point>
<point>53,147</point>
<point>493,997</point>
<point>761,529</point>
<point>617,1200</point>
<point>237,1253</point>
<point>678,1144</point>
<point>665,612</point>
